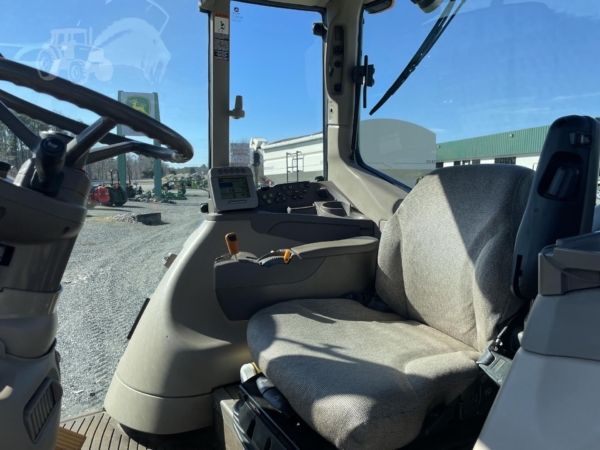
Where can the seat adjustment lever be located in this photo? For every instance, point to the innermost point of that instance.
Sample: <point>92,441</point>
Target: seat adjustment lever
<point>275,398</point>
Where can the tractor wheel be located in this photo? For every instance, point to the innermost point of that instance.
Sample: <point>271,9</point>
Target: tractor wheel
<point>113,197</point>
<point>77,72</point>
<point>45,61</point>
<point>120,197</point>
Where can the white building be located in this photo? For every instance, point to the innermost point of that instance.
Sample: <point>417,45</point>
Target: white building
<point>399,149</point>
<point>294,159</point>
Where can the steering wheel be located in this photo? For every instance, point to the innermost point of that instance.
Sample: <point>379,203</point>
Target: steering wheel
<point>111,112</point>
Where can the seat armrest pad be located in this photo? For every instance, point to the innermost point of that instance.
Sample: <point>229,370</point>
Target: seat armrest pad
<point>361,244</point>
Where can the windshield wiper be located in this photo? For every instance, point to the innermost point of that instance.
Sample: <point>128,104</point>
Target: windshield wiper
<point>440,26</point>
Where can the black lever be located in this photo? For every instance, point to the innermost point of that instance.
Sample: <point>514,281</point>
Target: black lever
<point>276,399</point>
<point>49,161</point>
<point>363,75</point>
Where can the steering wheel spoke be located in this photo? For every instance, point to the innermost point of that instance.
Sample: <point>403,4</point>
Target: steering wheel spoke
<point>78,148</point>
<point>14,124</point>
<point>139,148</point>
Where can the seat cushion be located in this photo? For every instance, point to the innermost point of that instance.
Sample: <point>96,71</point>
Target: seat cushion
<point>363,379</point>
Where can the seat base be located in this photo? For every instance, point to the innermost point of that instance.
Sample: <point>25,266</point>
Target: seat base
<point>256,421</point>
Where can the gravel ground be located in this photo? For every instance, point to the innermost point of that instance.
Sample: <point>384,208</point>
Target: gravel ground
<point>113,268</point>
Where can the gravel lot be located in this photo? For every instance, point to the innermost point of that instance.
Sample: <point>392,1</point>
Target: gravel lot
<point>113,268</point>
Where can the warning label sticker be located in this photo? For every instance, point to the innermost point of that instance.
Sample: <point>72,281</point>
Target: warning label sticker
<point>221,37</point>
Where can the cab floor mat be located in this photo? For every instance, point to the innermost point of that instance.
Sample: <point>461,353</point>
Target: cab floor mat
<point>104,433</point>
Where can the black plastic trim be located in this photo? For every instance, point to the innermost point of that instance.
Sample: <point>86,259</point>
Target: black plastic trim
<point>137,319</point>
<point>374,7</point>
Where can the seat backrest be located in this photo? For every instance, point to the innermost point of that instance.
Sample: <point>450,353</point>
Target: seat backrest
<point>445,256</point>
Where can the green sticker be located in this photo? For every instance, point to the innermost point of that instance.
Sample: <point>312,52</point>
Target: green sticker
<point>141,104</point>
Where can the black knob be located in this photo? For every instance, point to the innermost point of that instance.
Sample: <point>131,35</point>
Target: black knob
<point>50,158</point>
<point>322,193</point>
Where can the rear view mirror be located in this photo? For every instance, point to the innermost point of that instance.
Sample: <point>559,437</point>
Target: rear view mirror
<point>427,6</point>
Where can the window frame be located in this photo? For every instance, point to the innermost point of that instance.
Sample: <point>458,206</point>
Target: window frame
<point>356,125</point>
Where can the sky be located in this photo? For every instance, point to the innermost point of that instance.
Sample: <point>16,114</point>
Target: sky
<point>500,66</point>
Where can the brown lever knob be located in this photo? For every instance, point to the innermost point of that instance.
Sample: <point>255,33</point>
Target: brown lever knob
<point>232,243</point>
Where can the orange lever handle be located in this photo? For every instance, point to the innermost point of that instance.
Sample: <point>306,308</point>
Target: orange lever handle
<point>232,243</point>
<point>287,255</point>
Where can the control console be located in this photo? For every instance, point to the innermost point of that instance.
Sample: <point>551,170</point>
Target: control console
<point>291,195</point>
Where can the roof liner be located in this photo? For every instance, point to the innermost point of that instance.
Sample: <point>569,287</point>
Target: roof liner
<point>206,5</point>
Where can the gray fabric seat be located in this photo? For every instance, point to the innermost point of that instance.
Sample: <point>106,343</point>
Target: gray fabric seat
<point>365,379</point>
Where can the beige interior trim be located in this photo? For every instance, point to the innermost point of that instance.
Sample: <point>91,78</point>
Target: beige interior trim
<point>375,197</point>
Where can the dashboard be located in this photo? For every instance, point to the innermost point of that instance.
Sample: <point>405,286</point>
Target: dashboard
<point>282,197</point>
<point>232,189</point>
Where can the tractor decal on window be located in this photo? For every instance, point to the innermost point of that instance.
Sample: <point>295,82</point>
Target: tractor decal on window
<point>74,54</point>
<point>70,51</point>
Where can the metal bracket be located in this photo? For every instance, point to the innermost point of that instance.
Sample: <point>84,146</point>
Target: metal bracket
<point>363,76</point>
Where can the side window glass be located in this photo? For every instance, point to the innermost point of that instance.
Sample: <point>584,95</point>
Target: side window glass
<point>485,93</point>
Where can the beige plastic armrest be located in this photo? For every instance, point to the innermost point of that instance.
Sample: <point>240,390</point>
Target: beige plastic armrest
<point>362,244</point>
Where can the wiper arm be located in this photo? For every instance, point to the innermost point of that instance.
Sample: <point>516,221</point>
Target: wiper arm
<point>440,26</point>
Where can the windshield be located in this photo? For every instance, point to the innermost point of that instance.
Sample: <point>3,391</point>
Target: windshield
<point>281,81</point>
<point>155,53</point>
<point>500,74</point>
<point>134,46</point>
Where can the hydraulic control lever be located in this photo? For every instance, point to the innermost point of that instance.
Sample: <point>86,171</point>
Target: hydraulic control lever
<point>275,257</point>
<point>232,244</point>
<point>268,260</point>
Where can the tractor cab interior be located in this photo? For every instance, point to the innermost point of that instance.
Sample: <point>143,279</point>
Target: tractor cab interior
<point>362,297</point>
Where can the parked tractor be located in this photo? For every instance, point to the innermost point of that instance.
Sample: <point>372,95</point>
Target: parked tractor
<point>111,195</point>
<point>70,50</point>
<point>166,195</point>
<point>180,185</point>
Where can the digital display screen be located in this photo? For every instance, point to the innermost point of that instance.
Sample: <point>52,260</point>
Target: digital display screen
<point>232,188</point>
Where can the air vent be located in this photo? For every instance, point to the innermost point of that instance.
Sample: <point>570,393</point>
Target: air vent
<point>41,406</point>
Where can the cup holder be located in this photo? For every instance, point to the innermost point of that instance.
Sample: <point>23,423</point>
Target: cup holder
<point>334,208</point>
